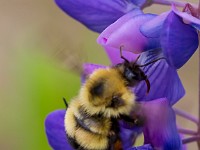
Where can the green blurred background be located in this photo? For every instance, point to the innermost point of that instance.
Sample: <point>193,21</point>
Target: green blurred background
<point>41,53</point>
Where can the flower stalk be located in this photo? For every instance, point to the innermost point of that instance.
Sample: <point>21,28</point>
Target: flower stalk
<point>187,131</point>
<point>186,115</point>
<point>195,135</point>
<point>191,139</point>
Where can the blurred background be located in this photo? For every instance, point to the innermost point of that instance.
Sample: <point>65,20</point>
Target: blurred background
<point>41,53</point>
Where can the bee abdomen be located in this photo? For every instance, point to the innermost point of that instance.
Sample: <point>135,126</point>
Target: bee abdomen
<point>80,136</point>
<point>74,143</point>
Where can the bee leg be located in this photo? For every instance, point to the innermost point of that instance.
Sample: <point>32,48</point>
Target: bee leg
<point>118,145</point>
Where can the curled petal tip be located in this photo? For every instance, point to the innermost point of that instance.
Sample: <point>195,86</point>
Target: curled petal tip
<point>129,35</point>
<point>103,37</point>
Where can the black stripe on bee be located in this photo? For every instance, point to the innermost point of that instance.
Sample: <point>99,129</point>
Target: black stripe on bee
<point>86,121</point>
<point>74,143</point>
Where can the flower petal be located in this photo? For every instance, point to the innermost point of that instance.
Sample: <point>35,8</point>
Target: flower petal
<point>96,14</point>
<point>178,40</point>
<point>129,134</point>
<point>114,55</point>
<point>195,22</point>
<point>160,128</point>
<point>55,130</point>
<point>102,39</point>
<point>129,36</point>
<point>139,3</point>
<point>143,147</point>
<point>152,28</point>
<point>164,79</point>
<point>89,69</point>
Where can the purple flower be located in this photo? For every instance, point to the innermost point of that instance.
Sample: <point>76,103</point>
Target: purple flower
<point>142,32</point>
<point>125,24</point>
<point>178,39</point>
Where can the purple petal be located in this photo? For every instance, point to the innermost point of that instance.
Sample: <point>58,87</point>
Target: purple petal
<point>143,147</point>
<point>160,126</point>
<point>196,26</point>
<point>179,41</point>
<point>102,39</point>
<point>114,55</point>
<point>129,134</point>
<point>129,36</point>
<point>139,3</point>
<point>195,22</point>
<point>55,130</point>
<point>164,79</point>
<point>89,69</point>
<point>152,28</point>
<point>96,14</point>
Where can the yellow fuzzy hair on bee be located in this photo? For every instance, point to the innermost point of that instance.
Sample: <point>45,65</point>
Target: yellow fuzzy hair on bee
<point>100,89</point>
<point>91,117</point>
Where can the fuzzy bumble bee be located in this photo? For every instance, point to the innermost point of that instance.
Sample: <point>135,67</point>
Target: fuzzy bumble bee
<point>91,120</point>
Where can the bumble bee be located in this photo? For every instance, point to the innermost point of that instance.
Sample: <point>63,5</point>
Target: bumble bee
<point>91,119</point>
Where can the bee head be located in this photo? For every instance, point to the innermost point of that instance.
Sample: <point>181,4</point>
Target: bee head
<point>133,74</point>
<point>105,92</point>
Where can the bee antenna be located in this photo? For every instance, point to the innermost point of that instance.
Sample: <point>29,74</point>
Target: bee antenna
<point>122,57</point>
<point>151,62</point>
<point>65,102</point>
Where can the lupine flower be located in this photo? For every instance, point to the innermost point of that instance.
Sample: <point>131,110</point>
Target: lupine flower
<point>164,31</point>
<point>150,36</point>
